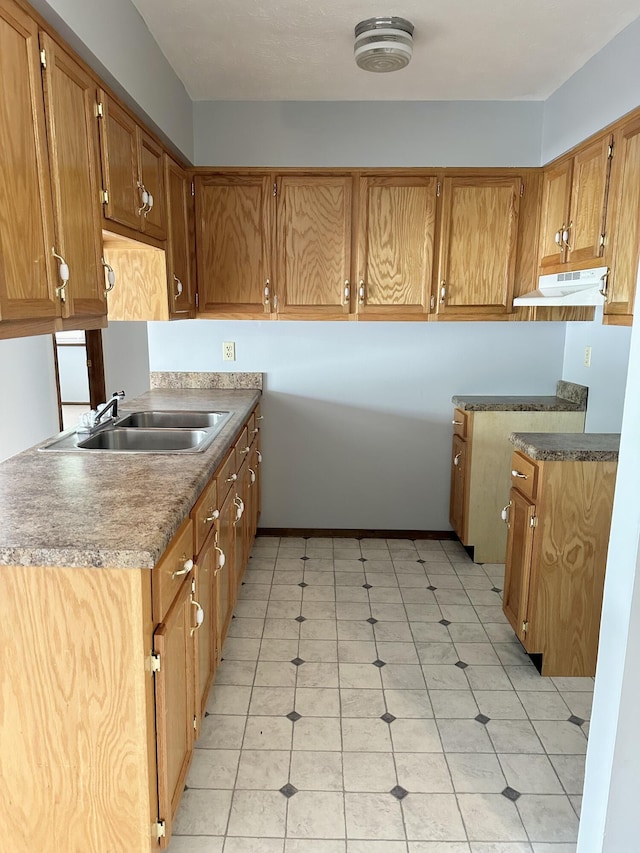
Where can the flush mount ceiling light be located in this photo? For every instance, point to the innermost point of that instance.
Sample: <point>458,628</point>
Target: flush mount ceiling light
<point>383,44</point>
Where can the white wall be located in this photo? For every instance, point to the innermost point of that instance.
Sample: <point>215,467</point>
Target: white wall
<point>73,374</point>
<point>28,393</point>
<point>126,358</point>
<point>368,133</point>
<point>606,378</point>
<point>357,428</point>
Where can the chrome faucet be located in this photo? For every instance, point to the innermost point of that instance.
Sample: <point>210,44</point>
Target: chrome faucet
<point>110,406</point>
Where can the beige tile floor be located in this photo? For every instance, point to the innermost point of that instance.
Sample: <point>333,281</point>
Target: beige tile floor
<point>373,699</point>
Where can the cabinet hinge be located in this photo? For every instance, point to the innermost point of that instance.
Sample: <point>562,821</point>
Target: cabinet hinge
<point>521,190</point>
<point>99,110</point>
<point>193,187</point>
<point>525,627</point>
<point>154,662</point>
<point>610,154</point>
<point>104,196</point>
<point>533,521</point>
<point>438,189</point>
<point>275,188</point>
<point>43,58</point>
<point>159,829</point>
<point>603,240</point>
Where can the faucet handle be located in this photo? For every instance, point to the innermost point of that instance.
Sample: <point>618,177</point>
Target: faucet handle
<point>119,394</point>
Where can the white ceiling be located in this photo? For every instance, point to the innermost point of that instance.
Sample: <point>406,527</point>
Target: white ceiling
<point>303,49</point>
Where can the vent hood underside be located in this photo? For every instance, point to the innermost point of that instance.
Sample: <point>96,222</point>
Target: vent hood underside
<point>583,287</point>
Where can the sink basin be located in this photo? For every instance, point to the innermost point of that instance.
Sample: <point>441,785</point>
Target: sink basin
<point>174,420</point>
<point>145,440</point>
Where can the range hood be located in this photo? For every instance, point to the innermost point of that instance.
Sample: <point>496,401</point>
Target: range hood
<point>583,287</point>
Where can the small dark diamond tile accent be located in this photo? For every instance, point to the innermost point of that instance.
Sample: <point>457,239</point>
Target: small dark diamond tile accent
<point>371,620</point>
<point>305,558</point>
<point>482,718</point>
<point>288,790</point>
<point>388,718</point>
<point>445,622</point>
<point>297,661</point>
<point>294,716</point>
<point>432,588</point>
<point>461,664</point>
<point>379,663</point>
<point>301,618</point>
<point>186,788</point>
<point>207,714</point>
<point>362,559</point>
<point>577,721</point>
<point>511,794</point>
<point>303,584</point>
<point>367,586</point>
<point>398,792</point>
<point>234,616</point>
<point>421,561</point>
<point>495,589</point>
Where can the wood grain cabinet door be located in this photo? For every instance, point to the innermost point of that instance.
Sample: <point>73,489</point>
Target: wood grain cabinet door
<point>28,274</point>
<point>151,171</point>
<point>226,572</point>
<point>478,244</point>
<point>179,280</point>
<point>554,212</point>
<point>459,487</point>
<point>515,601</point>
<point>314,246</point>
<point>120,174</point>
<point>584,240</point>
<point>205,635</point>
<point>175,705</point>
<point>70,104</point>
<point>623,222</point>
<point>233,245</point>
<point>395,246</point>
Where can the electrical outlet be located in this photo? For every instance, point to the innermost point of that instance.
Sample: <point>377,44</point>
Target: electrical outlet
<point>587,356</point>
<point>228,351</point>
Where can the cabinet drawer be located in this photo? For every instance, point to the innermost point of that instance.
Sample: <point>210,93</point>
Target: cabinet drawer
<point>170,572</point>
<point>524,475</point>
<point>227,475</point>
<point>203,515</point>
<point>243,447</point>
<point>460,423</point>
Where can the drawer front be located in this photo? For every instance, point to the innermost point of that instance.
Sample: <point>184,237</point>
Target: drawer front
<point>203,515</point>
<point>524,475</point>
<point>227,475</point>
<point>460,423</point>
<point>243,447</point>
<point>169,574</point>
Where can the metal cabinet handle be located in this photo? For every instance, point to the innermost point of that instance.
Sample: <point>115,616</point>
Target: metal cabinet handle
<point>519,475</point>
<point>214,514</point>
<point>259,457</point>
<point>144,198</point>
<point>456,458</point>
<point>222,559</point>
<point>603,290</point>
<point>244,450</point>
<point>188,565</point>
<point>558,238</point>
<point>260,418</point>
<point>199,613</point>
<point>458,423</point>
<point>179,287</point>
<point>63,272</point>
<point>252,476</point>
<point>443,292</point>
<point>504,515</point>
<point>347,292</point>
<point>232,478</point>
<point>267,292</point>
<point>111,276</point>
<point>361,292</point>
<point>239,504</point>
<point>566,232</point>
<point>255,431</point>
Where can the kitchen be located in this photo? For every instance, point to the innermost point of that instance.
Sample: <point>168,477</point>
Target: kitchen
<point>333,396</point>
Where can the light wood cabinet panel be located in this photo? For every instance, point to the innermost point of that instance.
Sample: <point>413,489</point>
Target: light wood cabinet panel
<point>459,487</point>
<point>179,279</point>
<point>205,636</point>
<point>554,212</point>
<point>151,172</point>
<point>624,224</point>
<point>70,105</point>
<point>478,244</point>
<point>395,246</point>
<point>589,186</point>
<point>174,703</point>
<point>233,245</point>
<point>27,270</point>
<point>515,600</point>
<point>314,246</point>
<point>225,576</point>
<point>120,176</point>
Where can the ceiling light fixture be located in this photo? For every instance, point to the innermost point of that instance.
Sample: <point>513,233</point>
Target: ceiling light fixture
<point>383,44</point>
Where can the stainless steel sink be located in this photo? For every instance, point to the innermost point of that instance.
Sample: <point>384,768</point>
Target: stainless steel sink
<point>145,440</point>
<point>174,420</point>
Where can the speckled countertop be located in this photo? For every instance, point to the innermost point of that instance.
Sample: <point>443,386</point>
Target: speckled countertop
<point>110,510</point>
<point>569,397</point>
<point>568,446</point>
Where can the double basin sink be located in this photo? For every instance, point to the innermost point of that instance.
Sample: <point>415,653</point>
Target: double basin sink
<point>148,432</point>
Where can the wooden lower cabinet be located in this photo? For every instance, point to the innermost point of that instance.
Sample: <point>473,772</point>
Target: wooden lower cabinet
<point>559,516</point>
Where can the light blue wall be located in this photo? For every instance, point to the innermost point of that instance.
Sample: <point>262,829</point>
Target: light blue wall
<point>368,133</point>
<point>605,88</point>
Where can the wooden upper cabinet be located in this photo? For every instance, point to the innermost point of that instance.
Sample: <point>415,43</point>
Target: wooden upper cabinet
<point>396,231</point>
<point>181,291</point>
<point>27,270</point>
<point>623,222</point>
<point>151,173</point>
<point>589,184</point>
<point>554,212</point>
<point>70,103</point>
<point>313,246</point>
<point>119,147</point>
<point>233,244</point>
<point>478,242</point>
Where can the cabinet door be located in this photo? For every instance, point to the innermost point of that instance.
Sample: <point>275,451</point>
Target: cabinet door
<point>120,176</point>
<point>206,634</point>
<point>314,246</point>
<point>181,291</point>
<point>233,244</point>
<point>588,201</point>
<point>152,176</point>
<point>623,223</point>
<point>395,246</point>
<point>253,497</point>
<point>27,271</point>
<point>459,487</point>
<point>241,525</point>
<point>225,573</point>
<point>478,245</point>
<point>554,212</point>
<point>175,705</point>
<point>517,576</point>
<point>70,103</point>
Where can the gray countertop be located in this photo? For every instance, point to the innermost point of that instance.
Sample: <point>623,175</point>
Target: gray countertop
<point>568,446</point>
<point>569,397</point>
<point>111,511</point>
